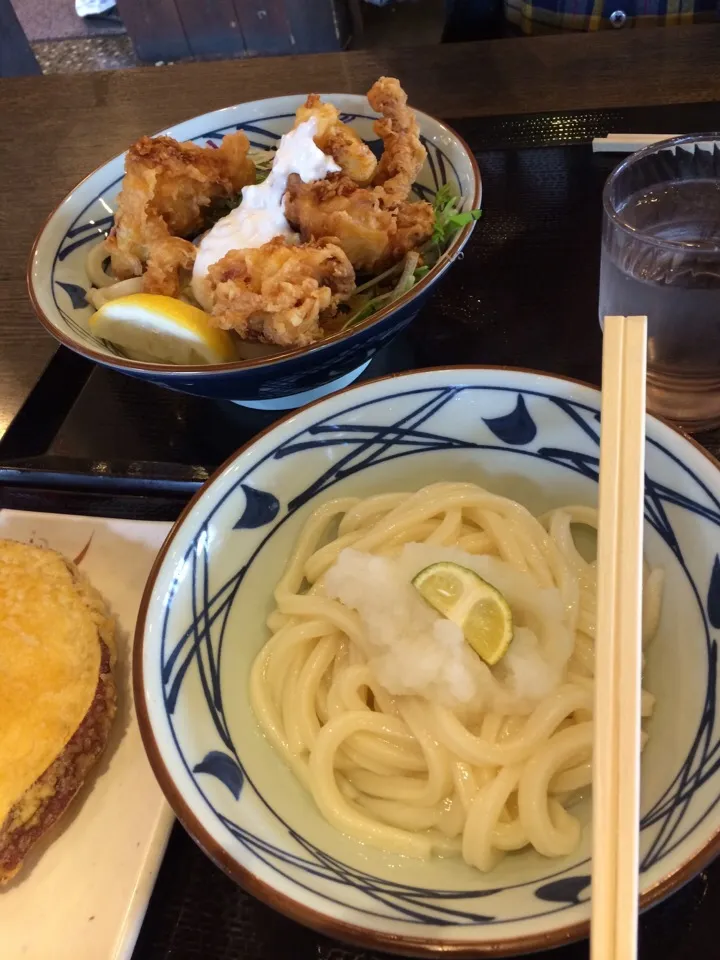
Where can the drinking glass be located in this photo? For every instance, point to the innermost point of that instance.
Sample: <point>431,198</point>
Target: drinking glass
<point>661,258</point>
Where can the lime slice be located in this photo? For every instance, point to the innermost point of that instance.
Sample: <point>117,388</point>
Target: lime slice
<point>481,611</point>
<point>160,329</point>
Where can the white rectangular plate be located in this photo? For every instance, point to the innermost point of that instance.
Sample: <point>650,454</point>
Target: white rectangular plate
<point>83,891</point>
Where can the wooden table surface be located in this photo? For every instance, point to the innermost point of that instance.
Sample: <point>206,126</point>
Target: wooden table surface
<point>56,129</point>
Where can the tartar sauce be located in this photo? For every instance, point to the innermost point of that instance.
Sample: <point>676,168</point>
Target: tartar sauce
<point>261,215</point>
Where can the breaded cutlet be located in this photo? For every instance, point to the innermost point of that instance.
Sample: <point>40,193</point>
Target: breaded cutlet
<point>57,693</point>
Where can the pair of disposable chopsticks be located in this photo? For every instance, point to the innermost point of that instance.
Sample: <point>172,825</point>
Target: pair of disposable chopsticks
<point>618,648</point>
<point>627,142</point>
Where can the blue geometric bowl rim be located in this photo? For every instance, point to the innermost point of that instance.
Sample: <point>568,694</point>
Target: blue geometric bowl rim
<point>291,907</point>
<point>174,370</point>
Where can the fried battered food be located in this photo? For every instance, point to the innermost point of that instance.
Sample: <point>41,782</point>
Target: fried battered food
<point>373,235</point>
<point>280,293</point>
<point>169,266</point>
<point>403,152</point>
<point>414,223</point>
<point>57,647</point>
<point>166,194</point>
<point>339,141</point>
<point>377,225</point>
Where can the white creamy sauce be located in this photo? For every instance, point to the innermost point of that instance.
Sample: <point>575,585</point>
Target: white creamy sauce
<point>261,214</point>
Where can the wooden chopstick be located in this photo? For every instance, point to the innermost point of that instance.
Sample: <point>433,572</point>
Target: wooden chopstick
<point>618,648</point>
<point>627,142</point>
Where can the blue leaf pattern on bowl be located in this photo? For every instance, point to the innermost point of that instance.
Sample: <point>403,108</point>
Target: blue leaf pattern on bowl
<point>516,428</point>
<point>567,890</point>
<point>261,507</point>
<point>222,766</point>
<point>76,294</point>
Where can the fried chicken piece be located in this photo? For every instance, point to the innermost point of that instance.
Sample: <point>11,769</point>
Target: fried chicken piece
<point>403,153</point>
<point>279,293</point>
<point>414,222</point>
<point>338,140</point>
<point>170,264</point>
<point>166,192</point>
<point>373,235</point>
<point>336,207</point>
<point>375,226</point>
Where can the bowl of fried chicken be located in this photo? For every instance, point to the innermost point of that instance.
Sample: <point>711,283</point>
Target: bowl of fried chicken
<point>262,253</point>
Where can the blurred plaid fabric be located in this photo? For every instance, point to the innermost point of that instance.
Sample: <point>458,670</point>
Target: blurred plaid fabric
<point>549,16</point>
<point>478,19</point>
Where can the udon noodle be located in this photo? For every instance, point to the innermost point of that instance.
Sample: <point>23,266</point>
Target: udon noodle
<point>105,287</point>
<point>406,739</point>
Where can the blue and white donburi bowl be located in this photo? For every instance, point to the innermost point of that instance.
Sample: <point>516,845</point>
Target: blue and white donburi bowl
<point>58,282</point>
<point>525,435</point>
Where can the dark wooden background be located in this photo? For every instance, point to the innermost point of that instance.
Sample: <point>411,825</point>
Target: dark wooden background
<point>16,56</point>
<point>178,29</point>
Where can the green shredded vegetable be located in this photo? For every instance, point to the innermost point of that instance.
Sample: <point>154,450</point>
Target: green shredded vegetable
<point>448,218</point>
<point>366,310</point>
<point>263,160</point>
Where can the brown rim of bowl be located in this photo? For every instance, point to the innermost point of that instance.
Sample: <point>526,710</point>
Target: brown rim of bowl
<point>290,907</point>
<point>453,251</point>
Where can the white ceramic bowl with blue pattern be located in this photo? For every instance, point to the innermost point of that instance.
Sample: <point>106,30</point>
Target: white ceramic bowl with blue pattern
<point>528,436</point>
<point>58,281</point>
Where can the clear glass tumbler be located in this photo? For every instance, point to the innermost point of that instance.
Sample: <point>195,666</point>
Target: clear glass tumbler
<point>661,258</point>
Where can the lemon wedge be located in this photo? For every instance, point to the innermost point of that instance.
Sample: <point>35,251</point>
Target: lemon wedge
<point>160,329</point>
<point>481,611</point>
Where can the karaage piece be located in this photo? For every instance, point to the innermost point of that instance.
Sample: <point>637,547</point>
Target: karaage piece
<point>338,140</point>
<point>280,293</point>
<point>337,207</point>
<point>373,235</point>
<point>376,226</point>
<point>414,222</point>
<point>403,153</point>
<point>169,266</point>
<point>166,193</point>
